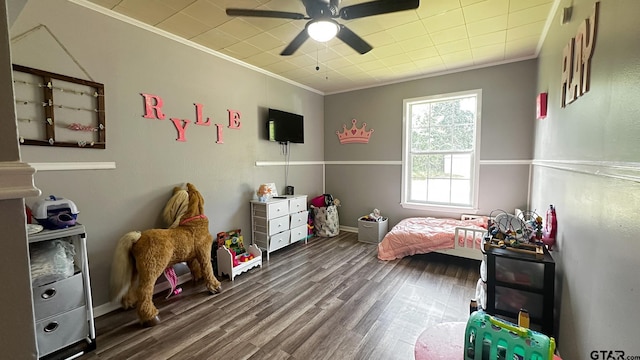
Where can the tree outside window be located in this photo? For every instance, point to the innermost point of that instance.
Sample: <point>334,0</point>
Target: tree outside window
<point>440,162</point>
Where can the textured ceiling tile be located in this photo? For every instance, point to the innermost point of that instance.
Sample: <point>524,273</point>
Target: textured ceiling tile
<point>516,5</point>
<point>215,39</point>
<point>498,37</point>
<point>380,38</point>
<point>488,53</point>
<point>424,53</point>
<point>529,30</point>
<point>242,50</point>
<point>466,32</point>
<point>371,65</point>
<point>239,28</point>
<point>430,64</point>
<point>396,60</point>
<point>523,47</point>
<point>436,7</point>
<point>470,2</point>
<point>109,4</point>
<point>279,67</point>
<point>147,11</point>
<point>458,59</point>
<point>488,25</point>
<point>207,13</point>
<point>263,59</point>
<point>265,42</point>
<point>453,47</point>
<point>415,44</point>
<point>485,9</point>
<point>446,36</point>
<point>444,21</point>
<point>407,31</point>
<point>183,25</point>
<point>387,50</point>
<point>528,16</point>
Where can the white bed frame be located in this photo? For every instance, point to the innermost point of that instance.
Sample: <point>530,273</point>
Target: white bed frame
<point>463,250</point>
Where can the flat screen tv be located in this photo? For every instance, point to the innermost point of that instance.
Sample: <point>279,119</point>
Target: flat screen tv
<point>285,127</point>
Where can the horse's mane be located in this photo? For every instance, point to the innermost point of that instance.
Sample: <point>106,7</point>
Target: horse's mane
<point>176,208</point>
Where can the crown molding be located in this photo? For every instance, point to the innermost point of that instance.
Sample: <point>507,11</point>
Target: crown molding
<point>16,180</point>
<point>168,35</point>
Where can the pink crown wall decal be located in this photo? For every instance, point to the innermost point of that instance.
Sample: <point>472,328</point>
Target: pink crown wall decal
<point>354,135</point>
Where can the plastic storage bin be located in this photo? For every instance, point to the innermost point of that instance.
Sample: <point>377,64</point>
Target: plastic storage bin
<point>372,231</point>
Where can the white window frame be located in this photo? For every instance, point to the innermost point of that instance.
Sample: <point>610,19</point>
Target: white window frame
<point>406,152</point>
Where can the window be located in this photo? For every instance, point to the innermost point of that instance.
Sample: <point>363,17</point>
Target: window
<point>440,143</point>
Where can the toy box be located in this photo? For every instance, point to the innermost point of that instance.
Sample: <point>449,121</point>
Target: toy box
<point>487,337</point>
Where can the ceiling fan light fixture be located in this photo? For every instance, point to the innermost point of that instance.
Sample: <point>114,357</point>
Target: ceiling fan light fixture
<point>322,30</point>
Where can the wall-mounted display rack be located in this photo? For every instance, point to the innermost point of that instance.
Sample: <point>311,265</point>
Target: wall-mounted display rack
<point>58,110</point>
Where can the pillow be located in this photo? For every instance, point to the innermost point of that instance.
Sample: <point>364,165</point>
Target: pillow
<point>480,221</point>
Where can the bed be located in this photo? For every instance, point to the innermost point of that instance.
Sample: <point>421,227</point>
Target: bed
<point>420,235</point>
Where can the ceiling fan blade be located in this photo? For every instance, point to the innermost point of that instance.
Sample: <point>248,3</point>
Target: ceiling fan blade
<point>296,43</point>
<point>350,38</point>
<point>376,8</point>
<point>265,13</point>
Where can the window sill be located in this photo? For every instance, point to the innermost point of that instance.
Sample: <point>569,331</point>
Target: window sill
<point>437,208</point>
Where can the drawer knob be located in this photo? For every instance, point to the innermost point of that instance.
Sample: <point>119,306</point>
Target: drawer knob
<point>52,326</point>
<point>49,293</point>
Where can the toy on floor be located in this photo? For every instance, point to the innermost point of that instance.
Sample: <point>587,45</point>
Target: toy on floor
<point>487,337</point>
<point>147,254</point>
<point>172,279</point>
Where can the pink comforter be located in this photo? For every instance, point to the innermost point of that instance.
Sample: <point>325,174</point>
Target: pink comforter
<point>422,235</point>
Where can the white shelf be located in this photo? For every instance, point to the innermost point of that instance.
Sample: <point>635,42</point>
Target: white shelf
<point>225,261</point>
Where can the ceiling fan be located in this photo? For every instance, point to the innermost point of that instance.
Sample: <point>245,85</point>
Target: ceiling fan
<point>322,26</point>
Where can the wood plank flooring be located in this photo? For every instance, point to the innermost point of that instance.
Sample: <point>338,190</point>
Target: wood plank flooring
<point>329,299</point>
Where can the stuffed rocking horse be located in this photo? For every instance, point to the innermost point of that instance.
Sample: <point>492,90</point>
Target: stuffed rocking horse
<point>145,255</point>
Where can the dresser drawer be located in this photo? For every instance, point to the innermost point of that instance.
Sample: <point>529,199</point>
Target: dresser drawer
<point>299,219</point>
<point>56,332</point>
<point>279,241</point>
<point>278,208</point>
<point>524,273</point>
<point>298,233</point>
<point>58,297</point>
<point>298,204</point>
<point>513,300</point>
<point>278,225</point>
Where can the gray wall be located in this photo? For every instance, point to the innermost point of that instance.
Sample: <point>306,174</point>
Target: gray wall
<point>587,165</point>
<point>507,122</point>
<point>149,162</point>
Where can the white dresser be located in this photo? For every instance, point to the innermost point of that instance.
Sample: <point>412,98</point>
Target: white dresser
<point>279,222</point>
<point>63,308</point>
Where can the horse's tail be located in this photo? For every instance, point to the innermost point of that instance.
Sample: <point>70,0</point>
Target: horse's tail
<point>122,266</point>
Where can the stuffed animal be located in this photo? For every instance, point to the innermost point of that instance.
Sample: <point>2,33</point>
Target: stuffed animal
<point>147,254</point>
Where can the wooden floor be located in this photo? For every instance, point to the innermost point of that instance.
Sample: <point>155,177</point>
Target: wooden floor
<point>329,299</point>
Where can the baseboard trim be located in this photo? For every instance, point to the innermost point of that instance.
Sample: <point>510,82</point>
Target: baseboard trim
<point>111,306</point>
<point>349,229</point>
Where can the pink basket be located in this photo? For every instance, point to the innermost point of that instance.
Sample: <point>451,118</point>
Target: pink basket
<point>318,201</point>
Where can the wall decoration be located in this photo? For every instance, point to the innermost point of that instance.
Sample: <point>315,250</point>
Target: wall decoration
<point>541,106</point>
<point>58,110</point>
<point>354,135</point>
<point>576,60</point>
<point>153,110</point>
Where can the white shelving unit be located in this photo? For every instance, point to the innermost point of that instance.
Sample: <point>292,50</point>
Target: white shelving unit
<point>225,261</point>
<point>63,309</point>
<point>279,222</point>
